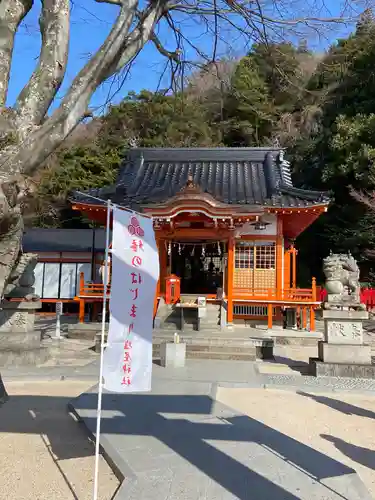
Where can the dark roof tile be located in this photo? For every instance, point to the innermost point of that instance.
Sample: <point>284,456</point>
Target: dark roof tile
<point>245,176</point>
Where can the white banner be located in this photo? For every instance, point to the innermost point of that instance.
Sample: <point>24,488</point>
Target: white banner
<point>135,272</point>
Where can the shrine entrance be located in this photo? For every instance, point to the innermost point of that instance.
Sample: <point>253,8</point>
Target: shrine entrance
<point>199,265</point>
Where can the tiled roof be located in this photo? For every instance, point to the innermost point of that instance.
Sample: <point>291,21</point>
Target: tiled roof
<point>239,176</point>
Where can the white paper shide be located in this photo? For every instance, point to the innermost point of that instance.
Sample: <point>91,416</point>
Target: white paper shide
<point>135,272</point>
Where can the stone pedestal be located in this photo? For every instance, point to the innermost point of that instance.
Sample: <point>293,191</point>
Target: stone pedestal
<point>343,353</point>
<point>20,343</point>
<point>172,355</point>
<point>344,326</point>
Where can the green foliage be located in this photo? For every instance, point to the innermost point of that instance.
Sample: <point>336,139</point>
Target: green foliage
<point>249,111</point>
<point>340,155</point>
<point>353,150</point>
<point>147,120</point>
<point>81,168</point>
<point>158,120</point>
<point>279,66</point>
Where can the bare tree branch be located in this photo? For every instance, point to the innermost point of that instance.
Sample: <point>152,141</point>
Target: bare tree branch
<point>113,2</point>
<point>163,51</point>
<point>12,13</point>
<point>37,96</point>
<point>117,50</point>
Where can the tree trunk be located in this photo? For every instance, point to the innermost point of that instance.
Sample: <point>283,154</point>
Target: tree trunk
<point>11,231</point>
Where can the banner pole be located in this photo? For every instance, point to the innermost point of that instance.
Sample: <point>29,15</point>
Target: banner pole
<point>100,388</point>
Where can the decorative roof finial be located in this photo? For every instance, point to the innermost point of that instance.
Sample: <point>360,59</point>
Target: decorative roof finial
<point>190,181</point>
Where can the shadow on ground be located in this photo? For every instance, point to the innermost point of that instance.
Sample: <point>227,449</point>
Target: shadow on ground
<point>46,416</point>
<point>341,406</point>
<point>190,438</point>
<point>298,366</point>
<point>358,454</point>
<point>260,473</point>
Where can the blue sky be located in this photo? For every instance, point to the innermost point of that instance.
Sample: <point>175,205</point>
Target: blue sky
<point>91,23</point>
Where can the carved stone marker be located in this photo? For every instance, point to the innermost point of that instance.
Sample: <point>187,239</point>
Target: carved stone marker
<point>20,343</point>
<point>343,352</point>
<point>343,338</point>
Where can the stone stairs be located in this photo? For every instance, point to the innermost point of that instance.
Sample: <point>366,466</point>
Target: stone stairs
<point>208,347</point>
<point>221,348</point>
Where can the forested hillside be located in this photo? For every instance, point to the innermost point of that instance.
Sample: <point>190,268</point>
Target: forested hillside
<point>321,107</point>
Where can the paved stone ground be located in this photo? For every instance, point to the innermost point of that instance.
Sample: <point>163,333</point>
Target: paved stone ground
<point>339,426</point>
<point>179,442</point>
<point>44,453</point>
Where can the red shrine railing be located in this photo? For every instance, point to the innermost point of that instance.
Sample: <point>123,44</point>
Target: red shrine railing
<point>273,294</point>
<point>367,296</point>
<point>89,290</point>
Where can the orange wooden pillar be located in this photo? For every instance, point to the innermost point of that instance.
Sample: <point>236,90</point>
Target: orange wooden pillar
<point>269,316</point>
<point>163,263</point>
<point>312,319</point>
<point>157,291</point>
<point>304,318</point>
<point>81,315</point>
<point>81,311</point>
<point>279,259</point>
<point>294,267</point>
<point>231,250</point>
<point>287,270</point>
<point>313,290</point>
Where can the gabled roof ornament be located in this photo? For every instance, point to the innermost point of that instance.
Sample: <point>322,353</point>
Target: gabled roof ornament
<point>190,182</point>
<point>190,187</point>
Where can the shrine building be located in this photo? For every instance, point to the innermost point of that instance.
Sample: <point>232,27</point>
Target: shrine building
<point>225,222</point>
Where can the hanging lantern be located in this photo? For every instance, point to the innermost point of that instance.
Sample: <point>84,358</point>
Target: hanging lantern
<point>169,248</point>
<point>218,248</point>
<point>260,225</point>
<point>203,250</point>
<point>179,249</point>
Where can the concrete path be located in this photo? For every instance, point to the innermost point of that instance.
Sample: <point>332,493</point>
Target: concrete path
<point>338,425</point>
<point>44,453</point>
<point>179,442</point>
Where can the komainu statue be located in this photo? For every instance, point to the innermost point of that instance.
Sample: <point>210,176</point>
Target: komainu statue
<point>22,279</point>
<point>342,282</point>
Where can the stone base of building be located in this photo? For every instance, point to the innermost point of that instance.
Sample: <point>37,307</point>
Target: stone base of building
<point>319,368</point>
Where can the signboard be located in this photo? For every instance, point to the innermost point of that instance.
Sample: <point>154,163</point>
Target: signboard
<point>59,308</point>
<point>127,362</point>
<point>202,302</point>
<point>59,311</point>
